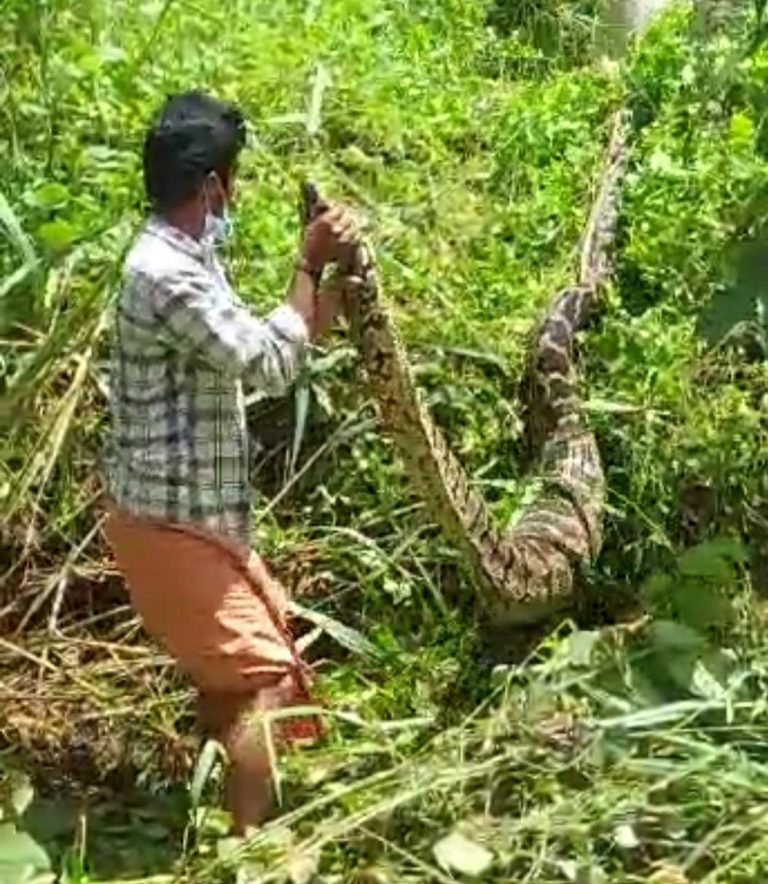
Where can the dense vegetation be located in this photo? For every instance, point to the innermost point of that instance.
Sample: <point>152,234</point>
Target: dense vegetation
<point>625,745</point>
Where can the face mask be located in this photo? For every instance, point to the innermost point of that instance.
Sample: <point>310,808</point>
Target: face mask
<point>217,228</point>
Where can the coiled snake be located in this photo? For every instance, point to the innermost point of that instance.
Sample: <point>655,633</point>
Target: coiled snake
<point>529,569</point>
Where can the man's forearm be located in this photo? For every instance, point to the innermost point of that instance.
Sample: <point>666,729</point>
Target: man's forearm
<point>303,298</point>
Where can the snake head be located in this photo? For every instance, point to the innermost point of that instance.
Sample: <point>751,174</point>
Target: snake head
<point>312,204</point>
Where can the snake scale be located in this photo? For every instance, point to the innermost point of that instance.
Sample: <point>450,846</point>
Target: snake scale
<point>526,571</point>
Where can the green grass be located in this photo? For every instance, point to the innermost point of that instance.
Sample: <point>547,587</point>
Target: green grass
<point>471,152</point>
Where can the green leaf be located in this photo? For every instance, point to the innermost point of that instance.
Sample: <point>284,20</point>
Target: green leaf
<point>605,406</point>
<point>625,837</point>
<point>581,646</point>
<point>680,667</point>
<point>589,874</point>
<point>56,235</point>
<point>229,849</point>
<point>321,80</point>
<point>666,672</point>
<point>301,401</point>
<point>713,560</point>
<point>203,769</point>
<point>22,794</point>
<point>111,54</point>
<point>668,636</point>
<point>745,295</point>
<point>50,195</point>
<point>742,129</point>
<point>51,818</point>
<point>456,853</point>
<point>301,867</point>
<point>661,161</point>
<point>350,639</point>
<point>9,220</point>
<point>22,859</point>
<point>355,156</point>
<point>657,587</point>
<point>704,684</point>
<point>16,278</point>
<point>73,867</point>
<point>702,605</point>
<point>211,822</point>
<point>663,715</point>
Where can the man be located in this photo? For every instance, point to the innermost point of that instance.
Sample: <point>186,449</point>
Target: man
<point>185,348</point>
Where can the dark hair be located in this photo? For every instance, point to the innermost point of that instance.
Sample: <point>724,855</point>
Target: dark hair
<point>192,136</point>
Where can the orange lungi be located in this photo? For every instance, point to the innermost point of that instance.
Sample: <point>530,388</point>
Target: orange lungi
<point>213,605</point>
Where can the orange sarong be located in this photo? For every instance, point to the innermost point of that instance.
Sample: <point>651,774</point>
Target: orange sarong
<point>211,603</point>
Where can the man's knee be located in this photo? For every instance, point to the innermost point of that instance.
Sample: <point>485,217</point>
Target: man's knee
<point>219,712</point>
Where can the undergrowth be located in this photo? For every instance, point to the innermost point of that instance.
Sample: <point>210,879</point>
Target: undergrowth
<point>469,136</point>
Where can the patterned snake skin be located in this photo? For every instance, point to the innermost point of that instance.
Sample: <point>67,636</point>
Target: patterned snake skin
<point>715,16</point>
<point>527,571</point>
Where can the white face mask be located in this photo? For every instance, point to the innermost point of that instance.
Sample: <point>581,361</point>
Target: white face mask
<point>217,229</point>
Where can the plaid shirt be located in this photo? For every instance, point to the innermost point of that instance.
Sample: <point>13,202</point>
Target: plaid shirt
<point>184,346</point>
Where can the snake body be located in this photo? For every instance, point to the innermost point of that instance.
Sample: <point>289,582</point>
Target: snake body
<point>525,571</point>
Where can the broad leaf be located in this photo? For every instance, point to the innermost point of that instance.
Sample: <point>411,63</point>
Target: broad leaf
<point>57,235</point>
<point>713,560</point>
<point>50,195</point>
<point>625,837</point>
<point>666,636</point>
<point>456,853</point>
<point>702,605</point>
<point>704,683</point>
<point>22,859</point>
<point>581,646</point>
<point>742,129</point>
<point>668,874</point>
<point>22,794</point>
<point>589,874</point>
<point>744,299</point>
<point>302,866</point>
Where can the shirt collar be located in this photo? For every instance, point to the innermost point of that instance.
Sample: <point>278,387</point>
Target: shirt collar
<point>159,227</point>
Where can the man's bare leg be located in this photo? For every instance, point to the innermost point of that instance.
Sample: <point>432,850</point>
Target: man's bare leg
<point>235,720</point>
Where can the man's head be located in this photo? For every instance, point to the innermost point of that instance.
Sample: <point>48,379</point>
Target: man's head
<point>190,156</point>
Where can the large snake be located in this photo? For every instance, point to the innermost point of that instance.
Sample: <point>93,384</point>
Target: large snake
<point>528,570</point>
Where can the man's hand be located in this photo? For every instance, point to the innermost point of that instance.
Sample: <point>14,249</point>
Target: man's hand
<point>329,237</point>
